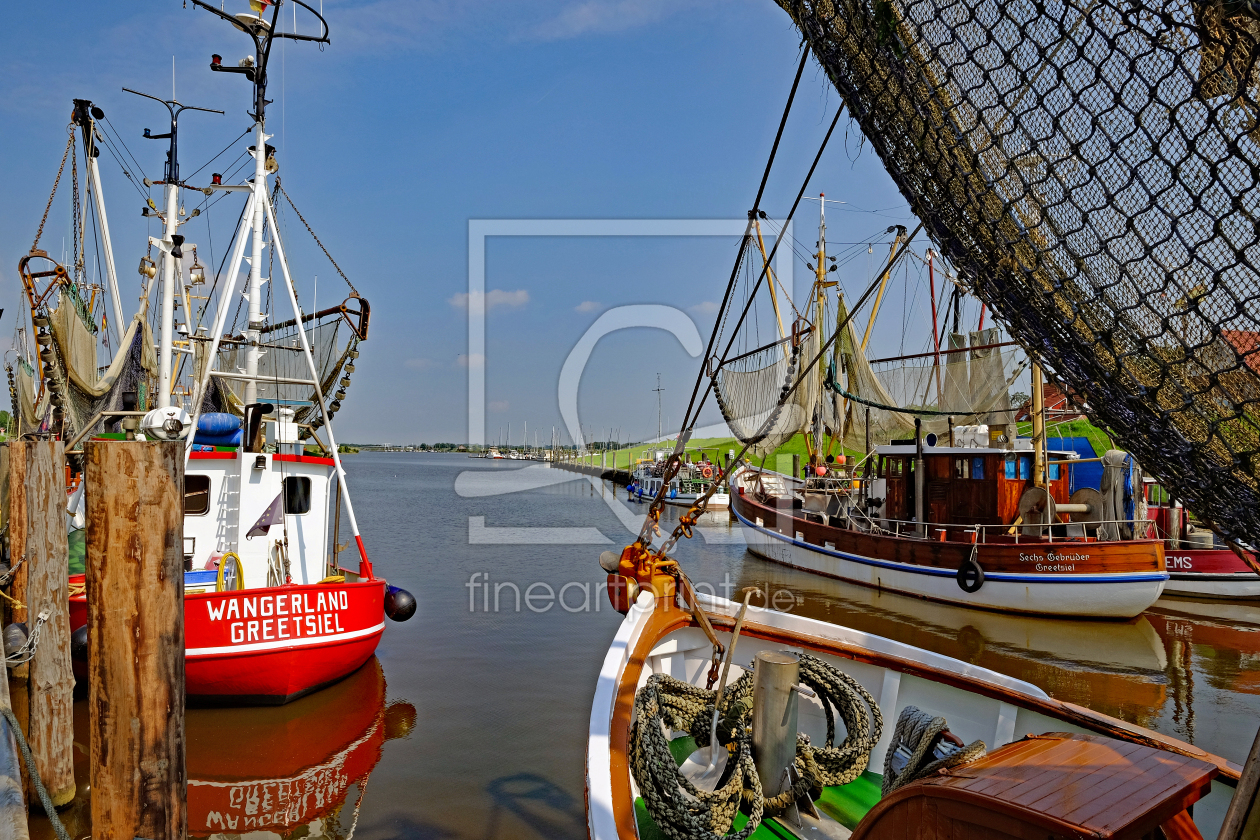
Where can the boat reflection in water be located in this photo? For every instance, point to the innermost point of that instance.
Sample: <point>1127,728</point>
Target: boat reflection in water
<point>290,771</point>
<point>1119,668</point>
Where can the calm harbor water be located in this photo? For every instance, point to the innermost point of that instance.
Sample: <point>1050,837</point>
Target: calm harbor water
<point>471,723</point>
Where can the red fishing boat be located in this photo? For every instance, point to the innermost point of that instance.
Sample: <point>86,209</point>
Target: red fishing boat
<point>270,612</point>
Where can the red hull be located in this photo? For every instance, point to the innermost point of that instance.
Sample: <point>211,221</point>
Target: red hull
<point>272,645</point>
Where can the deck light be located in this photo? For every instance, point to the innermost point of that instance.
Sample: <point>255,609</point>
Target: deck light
<point>216,179</point>
<point>260,463</point>
<point>216,60</point>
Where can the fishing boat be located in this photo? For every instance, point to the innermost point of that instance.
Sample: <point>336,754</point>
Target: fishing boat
<point>270,612</point>
<point>692,481</point>
<point>1200,564</point>
<point>963,512</point>
<point>964,737</point>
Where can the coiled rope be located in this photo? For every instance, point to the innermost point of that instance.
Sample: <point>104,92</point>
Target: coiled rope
<point>684,812</point>
<point>919,729</point>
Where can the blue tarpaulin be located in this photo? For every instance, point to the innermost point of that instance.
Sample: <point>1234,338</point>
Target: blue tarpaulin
<point>1088,474</point>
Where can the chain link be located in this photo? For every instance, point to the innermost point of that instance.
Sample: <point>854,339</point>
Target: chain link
<point>39,233</point>
<point>316,238</point>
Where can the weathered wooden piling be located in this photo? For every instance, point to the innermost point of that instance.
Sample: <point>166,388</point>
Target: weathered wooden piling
<point>37,527</point>
<point>136,639</point>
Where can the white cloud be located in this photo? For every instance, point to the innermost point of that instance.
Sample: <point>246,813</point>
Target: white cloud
<point>493,298</point>
<point>588,306</point>
<point>707,307</point>
<point>497,405</point>
<point>419,364</point>
<point>601,16</point>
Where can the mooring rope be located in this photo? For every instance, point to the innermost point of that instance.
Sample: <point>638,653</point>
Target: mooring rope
<point>918,728</point>
<point>684,812</point>
<point>36,782</point>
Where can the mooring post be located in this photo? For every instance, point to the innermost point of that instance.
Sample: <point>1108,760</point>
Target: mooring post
<point>50,681</point>
<point>135,591</point>
<point>17,530</point>
<point>775,711</point>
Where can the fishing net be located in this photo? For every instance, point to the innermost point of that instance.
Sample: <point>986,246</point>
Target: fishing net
<point>1090,167</point>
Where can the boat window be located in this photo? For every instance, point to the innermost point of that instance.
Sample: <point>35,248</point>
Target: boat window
<point>1010,472</point>
<point>977,468</point>
<point>894,467</point>
<point>297,494</point>
<point>1025,466</point>
<point>196,494</point>
<point>962,468</point>
<point>1054,471</point>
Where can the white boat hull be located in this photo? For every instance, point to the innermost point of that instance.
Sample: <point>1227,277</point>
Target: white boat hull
<point>1240,587</point>
<point>1081,596</point>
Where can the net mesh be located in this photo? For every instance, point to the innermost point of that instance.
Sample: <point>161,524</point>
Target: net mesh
<point>1090,167</point>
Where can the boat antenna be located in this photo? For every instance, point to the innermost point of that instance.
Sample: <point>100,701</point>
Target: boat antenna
<point>658,389</point>
<point>263,33</point>
<point>171,242</point>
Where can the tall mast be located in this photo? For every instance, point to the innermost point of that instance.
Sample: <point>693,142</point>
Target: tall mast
<point>658,389</point>
<point>85,115</point>
<point>171,242</point>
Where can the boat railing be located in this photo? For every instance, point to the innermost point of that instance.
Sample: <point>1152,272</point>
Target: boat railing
<point>1007,533</point>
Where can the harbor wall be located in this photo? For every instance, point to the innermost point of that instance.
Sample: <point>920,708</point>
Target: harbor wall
<point>621,477</point>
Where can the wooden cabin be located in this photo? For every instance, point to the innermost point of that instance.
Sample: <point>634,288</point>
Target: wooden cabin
<point>964,486</point>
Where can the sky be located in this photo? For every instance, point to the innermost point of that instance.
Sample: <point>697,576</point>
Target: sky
<point>422,115</point>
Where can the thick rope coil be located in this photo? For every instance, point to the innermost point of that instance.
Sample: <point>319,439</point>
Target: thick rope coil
<point>685,813</point>
<point>918,728</point>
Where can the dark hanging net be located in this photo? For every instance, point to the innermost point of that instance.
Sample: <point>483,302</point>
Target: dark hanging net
<point>1091,169</point>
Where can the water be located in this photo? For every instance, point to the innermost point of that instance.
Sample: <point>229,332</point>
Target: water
<point>473,725</point>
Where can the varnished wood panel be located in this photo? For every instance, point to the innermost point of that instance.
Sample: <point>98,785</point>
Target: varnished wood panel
<point>1005,555</point>
<point>135,591</point>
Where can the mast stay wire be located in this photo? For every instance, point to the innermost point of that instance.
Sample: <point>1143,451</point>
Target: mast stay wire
<point>686,521</point>
<point>743,247</point>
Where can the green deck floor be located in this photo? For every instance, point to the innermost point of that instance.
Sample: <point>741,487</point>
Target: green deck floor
<point>845,804</point>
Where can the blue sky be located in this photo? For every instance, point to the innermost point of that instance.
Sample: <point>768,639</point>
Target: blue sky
<point>422,115</point>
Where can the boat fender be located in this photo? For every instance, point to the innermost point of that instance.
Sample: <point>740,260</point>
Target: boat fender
<point>79,644</point>
<point>970,575</point>
<point>14,637</point>
<point>400,604</point>
<point>622,592</point>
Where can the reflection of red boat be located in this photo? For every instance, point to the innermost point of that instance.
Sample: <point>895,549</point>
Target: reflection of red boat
<point>284,768</point>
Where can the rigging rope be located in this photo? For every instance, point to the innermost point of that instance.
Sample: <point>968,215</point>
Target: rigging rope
<point>316,238</point>
<point>666,703</point>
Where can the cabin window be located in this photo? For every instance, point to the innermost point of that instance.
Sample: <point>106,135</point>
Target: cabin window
<point>894,467</point>
<point>297,494</point>
<point>977,468</point>
<point>1025,466</point>
<point>196,495</point>
<point>1054,471</point>
<point>962,468</point>
<point>1010,471</point>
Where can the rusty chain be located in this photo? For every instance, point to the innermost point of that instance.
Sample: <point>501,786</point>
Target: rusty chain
<point>39,233</point>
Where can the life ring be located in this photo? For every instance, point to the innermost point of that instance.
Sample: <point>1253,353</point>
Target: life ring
<point>232,580</point>
<point>970,575</point>
<point>707,472</point>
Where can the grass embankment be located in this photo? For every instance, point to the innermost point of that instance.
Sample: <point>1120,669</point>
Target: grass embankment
<point>714,448</point>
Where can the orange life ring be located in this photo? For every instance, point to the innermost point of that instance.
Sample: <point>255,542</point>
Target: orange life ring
<point>707,472</point>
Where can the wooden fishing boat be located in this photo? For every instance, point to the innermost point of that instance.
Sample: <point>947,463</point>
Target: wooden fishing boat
<point>961,548</point>
<point>1107,777</point>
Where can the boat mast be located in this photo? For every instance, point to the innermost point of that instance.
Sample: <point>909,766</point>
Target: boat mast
<point>85,116</point>
<point>171,242</point>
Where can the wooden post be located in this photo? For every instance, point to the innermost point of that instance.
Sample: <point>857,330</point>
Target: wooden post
<point>135,590</point>
<point>17,526</point>
<point>50,683</point>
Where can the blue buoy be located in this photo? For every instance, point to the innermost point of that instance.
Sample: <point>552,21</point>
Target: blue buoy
<point>400,604</point>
